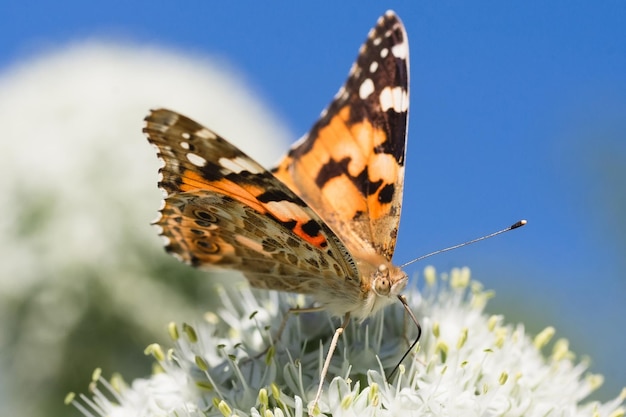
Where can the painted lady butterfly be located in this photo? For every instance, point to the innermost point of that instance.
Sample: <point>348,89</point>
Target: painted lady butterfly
<point>324,221</point>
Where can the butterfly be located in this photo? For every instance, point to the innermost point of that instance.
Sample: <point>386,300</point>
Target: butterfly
<point>324,221</point>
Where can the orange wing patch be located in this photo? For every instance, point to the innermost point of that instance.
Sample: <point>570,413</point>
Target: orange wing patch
<point>292,214</point>
<point>341,160</point>
<point>245,193</point>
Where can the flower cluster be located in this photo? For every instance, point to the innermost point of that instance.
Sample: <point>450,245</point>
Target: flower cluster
<point>466,364</point>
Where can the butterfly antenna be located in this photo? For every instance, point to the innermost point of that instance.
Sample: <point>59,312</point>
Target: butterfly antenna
<point>406,305</point>
<point>469,242</point>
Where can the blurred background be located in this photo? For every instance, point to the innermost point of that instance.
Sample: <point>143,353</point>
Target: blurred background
<point>517,111</point>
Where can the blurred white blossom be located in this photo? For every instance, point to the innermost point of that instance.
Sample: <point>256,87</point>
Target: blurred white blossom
<point>78,192</point>
<point>467,363</point>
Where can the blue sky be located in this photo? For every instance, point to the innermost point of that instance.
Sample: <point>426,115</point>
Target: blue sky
<point>517,111</point>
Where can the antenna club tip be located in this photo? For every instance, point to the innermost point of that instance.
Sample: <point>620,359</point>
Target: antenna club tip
<point>518,224</point>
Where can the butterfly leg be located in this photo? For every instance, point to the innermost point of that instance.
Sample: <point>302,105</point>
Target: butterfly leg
<point>329,356</point>
<point>293,310</point>
<point>283,324</point>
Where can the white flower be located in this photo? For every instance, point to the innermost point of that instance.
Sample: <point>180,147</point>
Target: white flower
<point>466,364</point>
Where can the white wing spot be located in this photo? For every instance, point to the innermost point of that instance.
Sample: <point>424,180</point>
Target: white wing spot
<point>286,210</point>
<point>377,41</point>
<point>166,241</point>
<point>196,159</point>
<point>366,88</point>
<point>186,135</point>
<point>179,257</point>
<point>373,66</point>
<point>400,50</point>
<point>388,33</point>
<point>184,145</point>
<point>395,98</point>
<point>240,164</point>
<point>340,92</point>
<point>206,134</point>
<point>384,52</point>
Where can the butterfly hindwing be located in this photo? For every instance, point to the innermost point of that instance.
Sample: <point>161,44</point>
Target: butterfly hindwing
<point>350,166</point>
<point>222,209</point>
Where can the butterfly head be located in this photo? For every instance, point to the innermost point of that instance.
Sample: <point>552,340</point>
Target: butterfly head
<point>389,281</point>
<point>382,284</point>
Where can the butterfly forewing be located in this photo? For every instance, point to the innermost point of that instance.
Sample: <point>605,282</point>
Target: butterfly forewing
<point>224,210</point>
<point>350,166</point>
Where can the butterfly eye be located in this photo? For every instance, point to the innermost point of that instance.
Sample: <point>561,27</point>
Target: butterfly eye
<point>382,286</point>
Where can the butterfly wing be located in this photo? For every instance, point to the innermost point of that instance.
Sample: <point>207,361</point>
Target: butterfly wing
<point>222,209</point>
<point>350,166</point>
